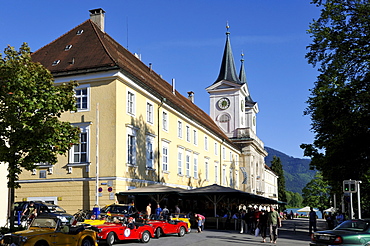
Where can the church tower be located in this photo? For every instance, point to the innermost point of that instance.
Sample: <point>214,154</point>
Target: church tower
<point>231,105</point>
<point>234,111</point>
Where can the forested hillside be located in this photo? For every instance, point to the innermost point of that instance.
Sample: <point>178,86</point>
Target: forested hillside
<point>296,170</point>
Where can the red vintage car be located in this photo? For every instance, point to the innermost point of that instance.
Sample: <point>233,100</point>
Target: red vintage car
<point>162,227</point>
<point>109,233</point>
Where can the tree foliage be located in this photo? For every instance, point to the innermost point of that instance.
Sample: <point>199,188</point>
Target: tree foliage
<point>317,193</point>
<point>294,199</point>
<point>277,168</point>
<point>339,104</point>
<point>30,107</point>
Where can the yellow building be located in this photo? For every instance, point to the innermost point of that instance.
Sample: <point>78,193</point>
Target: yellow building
<point>136,129</point>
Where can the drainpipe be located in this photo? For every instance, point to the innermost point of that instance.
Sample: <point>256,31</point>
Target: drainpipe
<point>159,152</point>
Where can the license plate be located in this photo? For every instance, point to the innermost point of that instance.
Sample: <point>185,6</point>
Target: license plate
<point>324,238</point>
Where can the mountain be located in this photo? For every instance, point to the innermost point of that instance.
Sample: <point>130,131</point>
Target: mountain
<point>296,170</point>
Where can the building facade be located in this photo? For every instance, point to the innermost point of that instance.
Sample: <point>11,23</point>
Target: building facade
<point>136,129</point>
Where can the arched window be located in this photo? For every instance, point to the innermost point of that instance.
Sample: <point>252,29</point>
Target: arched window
<point>224,120</point>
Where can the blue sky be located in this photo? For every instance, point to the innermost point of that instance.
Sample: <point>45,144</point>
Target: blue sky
<point>184,40</point>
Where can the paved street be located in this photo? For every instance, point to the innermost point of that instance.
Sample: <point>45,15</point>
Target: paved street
<point>293,233</point>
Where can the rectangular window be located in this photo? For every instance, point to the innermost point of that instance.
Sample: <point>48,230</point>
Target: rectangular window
<point>187,164</point>
<point>216,148</point>
<point>179,162</point>
<point>165,121</point>
<point>195,136</point>
<point>80,151</point>
<point>149,151</point>
<point>195,166</point>
<point>216,173</point>
<point>188,133</point>
<point>179,129</point>
<point>82,99</point>
<point>236,179</point>
<point>131,145</point>
<point>149,113</point>
<point>206,143</point>
<point>223,153</point>
<point>206,169</point>
<point>165,157</point>
<point>224,176</point>
<point>231,178</point>
<point>130,103</point>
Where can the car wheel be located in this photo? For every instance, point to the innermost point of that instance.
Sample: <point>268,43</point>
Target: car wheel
<point>157,232</point>
<point>111,238</point>
<point>182,231</point>
<point>145,237</point>
<point>42,243</point>
<point>86,242</point>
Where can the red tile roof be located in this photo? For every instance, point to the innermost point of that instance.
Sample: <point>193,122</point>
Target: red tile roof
<point>94,50</point>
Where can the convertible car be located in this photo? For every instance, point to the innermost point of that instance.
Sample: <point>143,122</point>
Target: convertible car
<point>162,227</point>
<point>46,230</point>
<point>350,233</point>
<point>109,233</point>
<point>182,217</point>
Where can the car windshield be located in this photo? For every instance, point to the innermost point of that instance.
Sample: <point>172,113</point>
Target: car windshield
<point>44,222</point>
<point>56,209</point>
<point>353,225</point>
<point>117,209</point>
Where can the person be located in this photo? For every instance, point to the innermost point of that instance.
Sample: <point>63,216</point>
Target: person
<point>262,225</point>
<point>312,221</point>
<point>165,213</point>
<point>30,210</point>
<point>158,212</point>
<point>200,219</point>
<point>130,223</point>
<point>177,209</point>
<point>148,211</point>
<point>273,221</point>
<point>339,218</point>
<point>243,224</point>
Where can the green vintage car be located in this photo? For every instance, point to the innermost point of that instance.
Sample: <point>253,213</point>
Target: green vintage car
<point>46,230</point>
<point>349,233</point>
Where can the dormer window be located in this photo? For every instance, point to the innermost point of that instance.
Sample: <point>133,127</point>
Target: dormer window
<point>79,32</point>
<point>68,47</point>
<point>56,62</point>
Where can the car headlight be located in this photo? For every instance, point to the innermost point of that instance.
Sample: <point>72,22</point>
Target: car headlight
<point>24,239</point>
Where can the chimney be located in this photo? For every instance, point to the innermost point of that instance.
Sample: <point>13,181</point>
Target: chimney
<point>97,16</point>
<point>191,96</point>
<point>173,87</point>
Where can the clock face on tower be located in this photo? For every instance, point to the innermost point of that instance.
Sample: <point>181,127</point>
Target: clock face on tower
<point>223,103</point>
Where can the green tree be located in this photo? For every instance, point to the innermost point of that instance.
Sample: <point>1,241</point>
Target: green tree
<point>339,104</point>
<point>30,107</point>
<point>294,199</point>
<point>317,193</point>
<point>277,168</point>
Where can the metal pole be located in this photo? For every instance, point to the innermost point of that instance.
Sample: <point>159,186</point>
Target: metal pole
<point>97,157</point>
<point>358,199</point>
<point>350,206</point>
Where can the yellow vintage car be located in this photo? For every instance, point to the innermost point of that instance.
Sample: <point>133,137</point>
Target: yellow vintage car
<point>182,217</point>
<point>51,230</point>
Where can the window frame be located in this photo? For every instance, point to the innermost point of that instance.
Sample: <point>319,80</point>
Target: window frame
<point>149,112</point>
<point>80,97</point>
<point>130,102</point>
<point>84,131</point>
